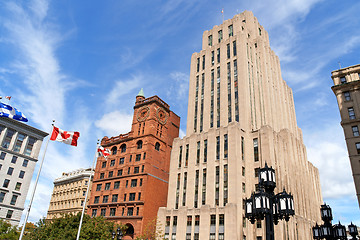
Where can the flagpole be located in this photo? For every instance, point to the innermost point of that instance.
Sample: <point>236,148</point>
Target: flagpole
<point>36,182</point>
<point>87,191</point>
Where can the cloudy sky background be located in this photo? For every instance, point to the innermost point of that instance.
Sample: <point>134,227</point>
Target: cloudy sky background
<point>83,62</point>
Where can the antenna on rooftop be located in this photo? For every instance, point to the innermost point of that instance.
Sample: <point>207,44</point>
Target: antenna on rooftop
<point>339,64</point>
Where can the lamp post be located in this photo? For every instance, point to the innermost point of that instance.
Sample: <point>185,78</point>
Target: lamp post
<point>265,204</point>
<point>118,234</point>
<point>332,232</point>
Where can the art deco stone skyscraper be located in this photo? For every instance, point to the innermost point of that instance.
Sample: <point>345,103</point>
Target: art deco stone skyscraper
<point>346,85</point>
<point>240,115</point>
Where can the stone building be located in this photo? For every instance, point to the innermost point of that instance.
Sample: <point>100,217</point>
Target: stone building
<point>19,151</point>
<point>132,183</point>
<point>346,89</point>
<point>69,193</point>
<point>241,114</point>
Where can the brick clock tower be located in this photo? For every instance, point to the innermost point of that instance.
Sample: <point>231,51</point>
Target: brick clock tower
<point>132,183</point>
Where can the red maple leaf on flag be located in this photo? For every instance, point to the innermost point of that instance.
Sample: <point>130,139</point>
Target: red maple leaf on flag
<point>65,135</point>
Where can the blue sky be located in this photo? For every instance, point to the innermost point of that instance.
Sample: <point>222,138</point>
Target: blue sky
<point>83,62</point>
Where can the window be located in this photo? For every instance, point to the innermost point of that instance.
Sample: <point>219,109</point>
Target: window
<point>103,212</point>
<point>157,146</point>
<point>212,58</point>
<point>98,187</point>
<point>358,147</point>
<point>258,224</point>
<point>139,144</point>
<point>144,155</point>
<point>141,180</point>
<point>18,186</point>
<point>14,159</point>
<point>228,50</point>
<point>137,211</point>
<point>243,187</point>
<point>196,196</point>
<point>128,170</point>
<point>2,155</point>
<point>113,150</point>
<point>121,161</point>
<point>187,155</point>
<point>225,184</point>
<point>111,174</point>
<point>105,198</point>
<point>203,201</point>
<point>124,197</point>
<point>177,191</point>
<point>138,157</point>
<point>10,171</point>
<point>242,149</point>
<point>210,38</point>
<point>127,183</point>
<point>130,211</point>
<point>218,55</point>
<point>119,173</point>
<point>139,196</point>
<point>225,146</point>
<point>351,113</point>
<point>217,179</point>
<point>213,219</point>
<point>29,146</point>
<point>198,153</point>
<point>258,238</point>
<point>355,131</point>
<point>243,171</point>
<point>132,197</point>
<point>114,198</point>
<point>256,150</point>
<point>84,193</point>
<point>347,96</point>
<point>205,150</point>
<point>175,221</point>
<point>96,199</point>
<point>112,163</point>
<point>112,211</point>
<point>102,175</point>
<point>231,33</point>
<point>6,183</point>
<point>136,169</point>
<point>220,36</point>
<point>123,148</point>
<point>221,219</point>
<point>25,163</point>
<point>184,189</point>
<point>107,186</point>
<point>180,156</point>
<point>133,183</point>
<point>94,213</point>
<point>217,148</point>
<point>203,62</point>
<point>116,184</point>
<point>234,48</point>
<point>9,213</point>
<point>19,142</point>
<point>2,196</point>
<point>8,137</point>
<point>103,165</point>
<point>198,65</point>
<point>343,79</point>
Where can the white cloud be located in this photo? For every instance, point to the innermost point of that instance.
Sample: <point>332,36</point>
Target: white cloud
<point>115,123</point>
<point>179,86</point>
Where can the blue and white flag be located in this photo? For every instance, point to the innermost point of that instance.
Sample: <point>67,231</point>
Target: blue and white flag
<point>11,112</point>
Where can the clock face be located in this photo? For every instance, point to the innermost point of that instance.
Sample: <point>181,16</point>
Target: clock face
<point>161,115</point>
<point>143,113</point>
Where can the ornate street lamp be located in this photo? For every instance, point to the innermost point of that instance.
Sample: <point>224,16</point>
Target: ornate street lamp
<point>339,231</point>
<point>353,231</point>
<point>317,232</point>
<point>118,234</point>
<point>265,204</point>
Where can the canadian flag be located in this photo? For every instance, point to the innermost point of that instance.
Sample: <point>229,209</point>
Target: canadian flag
<point>64,136</point>
<point>103,151</point>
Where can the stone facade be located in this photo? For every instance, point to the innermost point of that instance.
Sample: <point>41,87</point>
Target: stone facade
<point>69,193</point>
<point>347,91</point>
<point>132,183</point>
<point>19,151</point>
<point>241,114</point>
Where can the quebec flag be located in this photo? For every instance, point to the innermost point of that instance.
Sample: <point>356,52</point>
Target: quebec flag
<point>10,112</point>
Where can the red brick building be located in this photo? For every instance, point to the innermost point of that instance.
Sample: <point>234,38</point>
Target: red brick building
<point>132,183</point>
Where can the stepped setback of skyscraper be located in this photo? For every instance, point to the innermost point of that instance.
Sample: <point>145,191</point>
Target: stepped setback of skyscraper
<point>241,114</point>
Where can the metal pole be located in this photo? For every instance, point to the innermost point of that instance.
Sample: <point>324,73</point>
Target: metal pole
<point>87,191</point>
<point>36,182</point>
<point>269,220</point>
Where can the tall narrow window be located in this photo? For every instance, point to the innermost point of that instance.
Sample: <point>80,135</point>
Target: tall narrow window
<point>210,38</point>
<point>29,146</point>
<point>218,55</point>
<point>177,192</point>
<point>231,30</point>
<point>347,96</point>
<point>220,35</point>
<point>196,102</point>
<point>180,156</point>
<point>217,147</point>
<point>212,99</point>
<point>228,50</point>
<point>187,155</point>
<point>198,65</point>
<point>234,48</point>
<point>203,201</point>
<point>212,58</point>
<point>351,113</point>
<point>256,150</point>
<point>205,150</point>
<point>225,146</point>
<point>184,189</point>
<point>218,98</point>
<point>19,142</point>
<point>197,152</point>
<point>202,101</point>
<point>225,184</point>
<point>242,148</point>
<point>217,179</point>
<point>203,62</point>
<point>229,90</point>
<point>357,145</point>
<point>9,134</point>
<point>236,91</point>
<point>355,131</point>
<point>196,195</point>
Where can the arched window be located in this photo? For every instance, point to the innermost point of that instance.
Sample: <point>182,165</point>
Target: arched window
<point>113,150</point>
<point>123,148</point>
<point>157,146</point>
<point>139,144</point>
